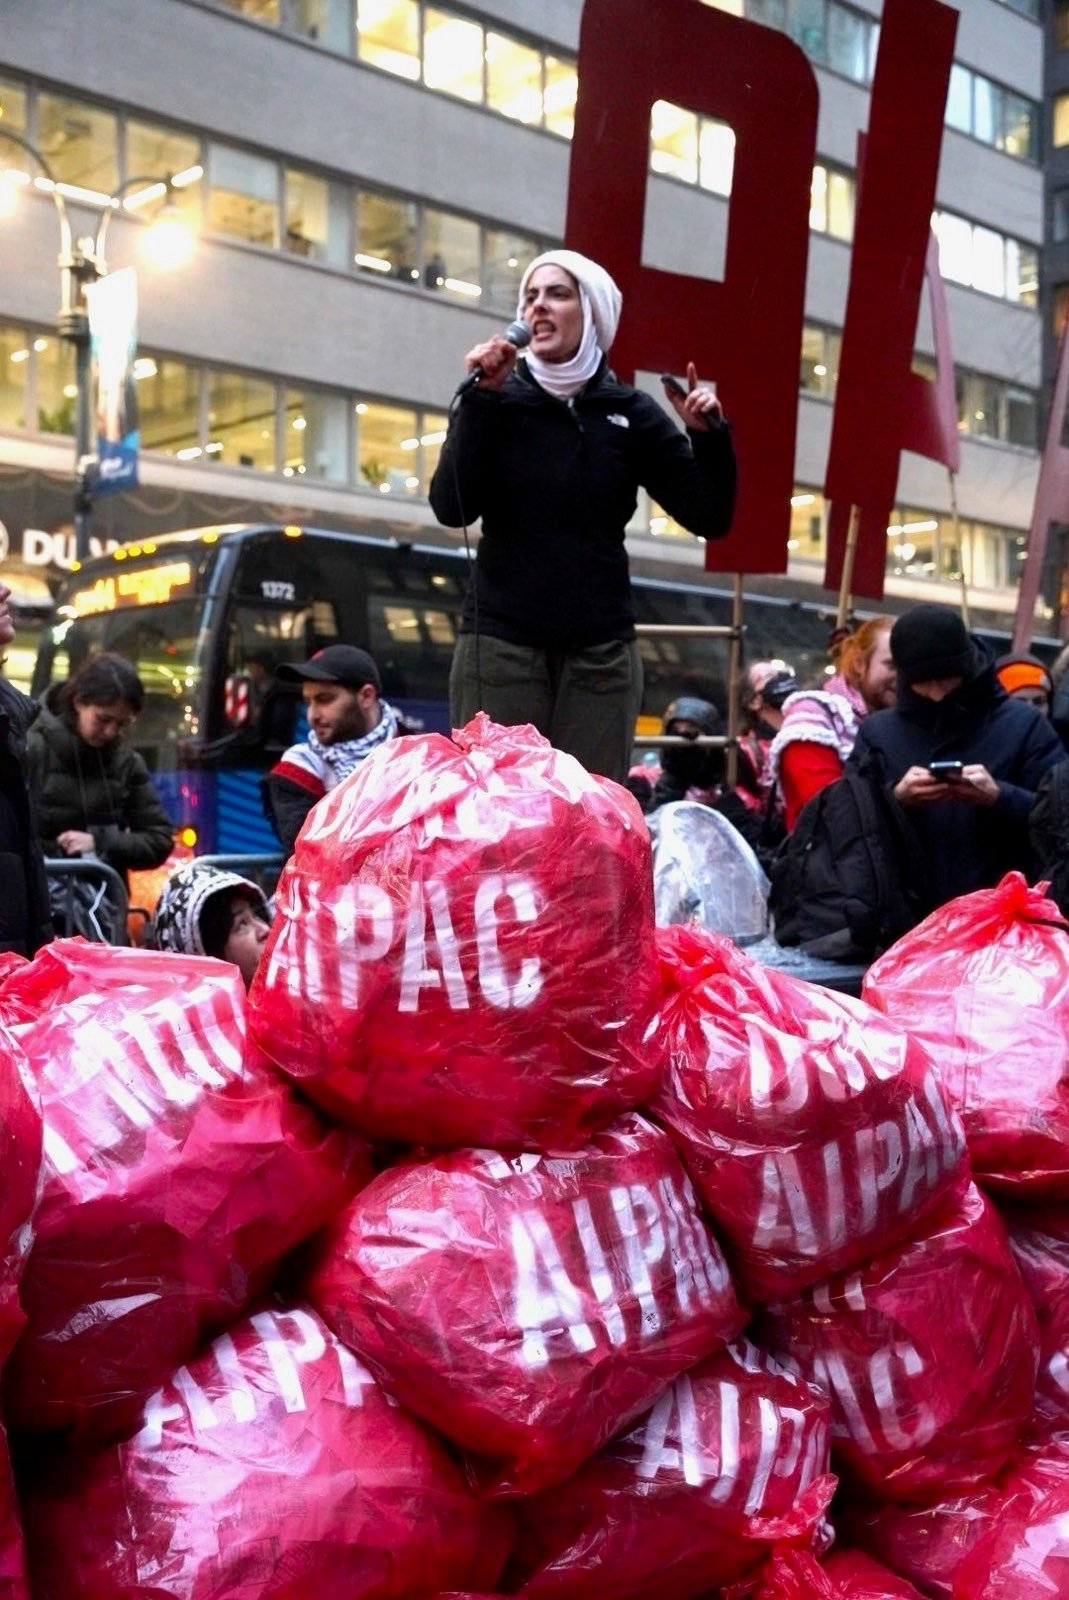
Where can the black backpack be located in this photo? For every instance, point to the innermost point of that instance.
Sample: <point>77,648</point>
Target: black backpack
<point>845,882</point>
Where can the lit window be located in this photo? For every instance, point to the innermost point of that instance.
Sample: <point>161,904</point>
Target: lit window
<point>316,219</point>
<point>13,375</point>
<point>505,256</point>
<point>153,152</point>
<point>56,394</point>
<point>13,116</point>
<point>241,421</point>
<point>562,85</point>
<point>959,99</point>
<point>259,10</point>
<point>243,199</point>
<point>325,21</point>
<point>955,248</point>
<point>451,255</point>
<point>716,156</point>
<point>431,440</point>
<point>1060,131</point>
<point>989,262</point>
<point>840,205</point>
<point>386,459</point>
<point>818,200</point>
<point>452,55</point>
<point>168,404</point>
<point>387,35</point>
<point>513,79</point>
<point>387,230</point>
<point>315,435</point>
<point>81,144</point>
<point>674,141</point>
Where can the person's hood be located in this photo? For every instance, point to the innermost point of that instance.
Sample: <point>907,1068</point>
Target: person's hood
<point>59,734</point>
<point>185,894</point>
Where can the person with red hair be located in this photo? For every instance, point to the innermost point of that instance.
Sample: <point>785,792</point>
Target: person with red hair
<point>820,726</point>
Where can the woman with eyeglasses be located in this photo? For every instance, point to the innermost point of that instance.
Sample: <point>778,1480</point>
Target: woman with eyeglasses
<point>92,794</point>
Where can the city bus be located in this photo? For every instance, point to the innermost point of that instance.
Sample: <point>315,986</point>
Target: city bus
<point>206,614</point>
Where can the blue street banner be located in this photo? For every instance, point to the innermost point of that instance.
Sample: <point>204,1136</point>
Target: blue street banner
<point>113,344</point>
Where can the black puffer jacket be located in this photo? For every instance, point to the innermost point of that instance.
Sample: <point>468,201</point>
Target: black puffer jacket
<point>24,916</point>
<point>106,792</point>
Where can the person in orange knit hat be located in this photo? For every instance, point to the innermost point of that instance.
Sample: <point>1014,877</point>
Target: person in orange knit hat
<point>1024,677</point>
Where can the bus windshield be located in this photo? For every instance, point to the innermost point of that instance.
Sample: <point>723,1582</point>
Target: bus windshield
<point>161,641</point>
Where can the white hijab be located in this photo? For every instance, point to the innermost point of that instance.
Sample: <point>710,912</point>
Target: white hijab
<point>600,300</point>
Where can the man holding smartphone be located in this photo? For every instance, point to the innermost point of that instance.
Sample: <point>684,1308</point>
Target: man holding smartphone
<point>959,754</point>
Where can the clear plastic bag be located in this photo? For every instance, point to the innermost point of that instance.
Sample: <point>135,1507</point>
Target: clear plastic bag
<point>705,873</point>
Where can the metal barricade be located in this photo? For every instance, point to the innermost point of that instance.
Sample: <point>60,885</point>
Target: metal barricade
<point>89,897</point>
<point>263,869</point>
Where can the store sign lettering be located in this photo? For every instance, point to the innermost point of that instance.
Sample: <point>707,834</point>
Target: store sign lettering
<point>39,548</point>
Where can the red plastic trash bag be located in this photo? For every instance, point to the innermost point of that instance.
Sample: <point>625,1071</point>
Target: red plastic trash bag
<point>1024,1555</point>
<point>530,1307</point>
<point>929,1355</point>
<point>846,1575</point>
<point>463,947</point>
<point>925,1544</point>
<point>1042,1254</point>
<point>732,1458</point>
<point>983,983</point>
<point>815,1132</point>
<point>14,1583</point>
<point>273,1467</point>
<point>176,1177</point>
<point>20,1165</point>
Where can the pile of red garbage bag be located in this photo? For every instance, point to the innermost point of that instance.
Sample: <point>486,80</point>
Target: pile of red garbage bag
<point>662,1277</point>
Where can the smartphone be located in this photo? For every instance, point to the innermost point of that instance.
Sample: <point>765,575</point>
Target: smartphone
<point>947,771</point>
<point>673,386</point>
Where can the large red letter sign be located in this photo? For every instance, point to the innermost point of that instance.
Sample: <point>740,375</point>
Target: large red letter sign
<point>871,425</point>
<point>744,332</point>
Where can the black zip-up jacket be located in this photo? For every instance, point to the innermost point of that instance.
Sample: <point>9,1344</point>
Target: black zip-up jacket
<point>25,922</point>
<point>106,792</point>
<point>967,847</point>
<point>556,484</point>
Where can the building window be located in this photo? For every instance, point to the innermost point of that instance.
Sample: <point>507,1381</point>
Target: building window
<point>831,34</point>
<point>241,420</point>
<point>451,254</point>
<point>674,141</point>
<point>387,233</point>
<point>315,429</point>
<point>431,439</point>
<point>562,87</point>
<point>992,114</point>
<point>14,375</point>
<point>324,21</point>
<point>1061,24</point>
<point>154,152</point>
<point>259,10</point>
<point>716,156</point>
<point>80,143</point>
<point>13,116</point>
<point>831,203</point>
<point>452,55</point>
<point>505,256</point>
<point>514,79</point>
<point>168,405</point>
<point>387,36</point>
<point>385,459</point>
<point>980,258</point>
<point>820,359</point>
<point>1060,129</point>
<point>1059,216</point>
<point>316,219</point>
<point>53,362</point>
<point>243,196</point>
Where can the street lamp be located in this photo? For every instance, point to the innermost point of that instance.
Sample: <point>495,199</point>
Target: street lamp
<point>82,262</point>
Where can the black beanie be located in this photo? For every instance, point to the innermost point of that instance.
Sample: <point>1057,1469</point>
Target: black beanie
<point>931,641</point>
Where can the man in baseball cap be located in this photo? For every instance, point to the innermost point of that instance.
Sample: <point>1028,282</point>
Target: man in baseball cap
<point>347,719</point>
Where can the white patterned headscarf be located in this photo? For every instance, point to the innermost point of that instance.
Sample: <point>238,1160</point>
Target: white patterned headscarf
<point>601,301</point>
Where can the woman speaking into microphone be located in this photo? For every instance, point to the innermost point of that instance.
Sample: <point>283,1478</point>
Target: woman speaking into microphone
<point>550,451</point>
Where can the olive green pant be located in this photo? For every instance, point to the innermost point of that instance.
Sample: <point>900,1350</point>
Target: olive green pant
<point>585,702</point>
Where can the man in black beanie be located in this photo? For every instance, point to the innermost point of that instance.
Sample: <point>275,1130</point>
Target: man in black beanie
<point>959,754</point>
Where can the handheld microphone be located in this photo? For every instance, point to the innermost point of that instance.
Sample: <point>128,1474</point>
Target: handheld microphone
<point>517,334</point>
